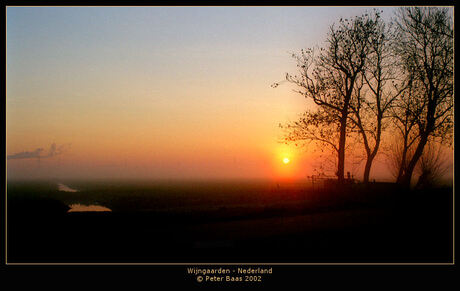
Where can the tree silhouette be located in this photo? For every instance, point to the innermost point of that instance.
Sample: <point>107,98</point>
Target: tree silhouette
<point>424,45</point>
<point>404,115</point>
<point>330,78</point>
<point>375,94</point>
<point>369,74</point>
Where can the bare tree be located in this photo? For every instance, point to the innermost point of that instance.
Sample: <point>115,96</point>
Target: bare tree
<point>330,79</point>
<point>404,115</point>
<point>374,93</point>
<point>424,44</point>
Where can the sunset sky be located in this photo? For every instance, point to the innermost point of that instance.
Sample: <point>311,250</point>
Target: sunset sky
<point>159,92</point>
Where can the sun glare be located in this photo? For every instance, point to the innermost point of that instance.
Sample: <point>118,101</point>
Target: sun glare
<point>286,160</point>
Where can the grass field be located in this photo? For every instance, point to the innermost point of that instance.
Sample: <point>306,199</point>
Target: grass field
<point>245,221</point>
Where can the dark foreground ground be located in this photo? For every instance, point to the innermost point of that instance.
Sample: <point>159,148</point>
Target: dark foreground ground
<point>225,223</point>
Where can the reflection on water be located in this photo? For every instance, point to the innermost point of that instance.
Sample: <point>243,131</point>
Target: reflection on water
<point>86,208</point>
<point>65,188</point>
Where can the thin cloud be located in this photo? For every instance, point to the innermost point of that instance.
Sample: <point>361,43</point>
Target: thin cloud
<point>38,153</point>
<point>26,155</point>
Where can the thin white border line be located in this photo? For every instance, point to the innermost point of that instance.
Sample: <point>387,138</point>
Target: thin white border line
<point>238,264</point>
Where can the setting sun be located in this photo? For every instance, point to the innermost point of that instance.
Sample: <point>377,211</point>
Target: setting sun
<point>286,160</point>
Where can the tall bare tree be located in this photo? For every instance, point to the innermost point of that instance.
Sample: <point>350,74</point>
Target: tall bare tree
<point>424,44</point>
<point>404,114</point>
<point>330,77</point>
<point>376,92</point>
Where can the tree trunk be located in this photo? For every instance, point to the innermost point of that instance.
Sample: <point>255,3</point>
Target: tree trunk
<point>367,168</point>
<point>402,165</point>
<point>341,151</point>
<point>421,145</point>
<point>371,155</point>
<point>406,178</point>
